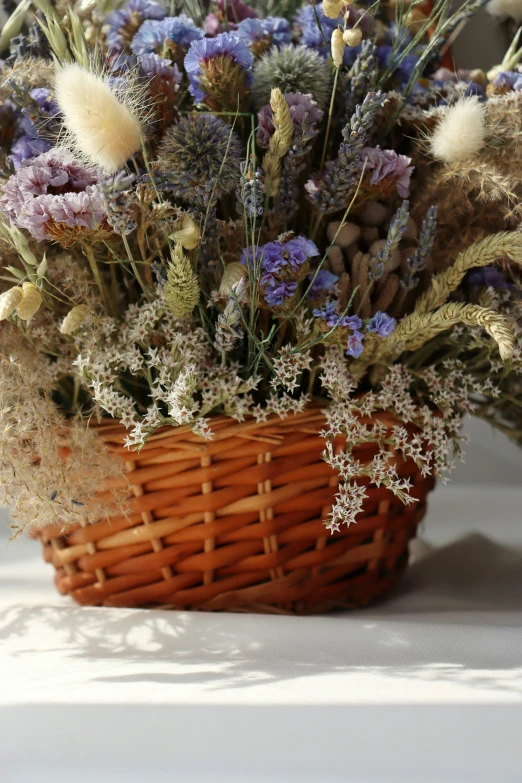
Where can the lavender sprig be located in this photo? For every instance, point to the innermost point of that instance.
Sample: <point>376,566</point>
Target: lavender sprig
<point>397,228</point>
<point>417,262</point>
<point>361,78</point>
<point>331,191</point>
<point>294,163</point>
<point>250,191</point>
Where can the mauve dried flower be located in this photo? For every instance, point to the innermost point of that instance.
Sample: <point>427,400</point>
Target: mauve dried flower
<point>388,168</point>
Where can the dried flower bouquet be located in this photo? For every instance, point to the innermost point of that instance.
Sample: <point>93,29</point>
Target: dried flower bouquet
<point>244,208</point>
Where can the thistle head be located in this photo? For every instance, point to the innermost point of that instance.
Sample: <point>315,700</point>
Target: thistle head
<point>292,69</point>
<point>205,148</point>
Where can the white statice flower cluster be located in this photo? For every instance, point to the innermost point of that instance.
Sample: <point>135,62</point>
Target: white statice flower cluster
<point>425,435</point>
<point>289,366</point>
<point>168,365</point>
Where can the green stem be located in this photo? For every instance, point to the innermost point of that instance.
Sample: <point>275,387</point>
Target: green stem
<point>95,269</point>
<point>330,114</point>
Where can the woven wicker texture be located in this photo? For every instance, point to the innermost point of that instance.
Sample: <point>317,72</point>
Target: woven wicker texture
<point>237,523</point>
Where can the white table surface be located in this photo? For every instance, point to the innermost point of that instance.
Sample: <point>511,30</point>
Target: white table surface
<point>426,686</point>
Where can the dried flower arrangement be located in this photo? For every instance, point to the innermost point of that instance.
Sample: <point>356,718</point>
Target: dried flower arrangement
<point>241,208</point>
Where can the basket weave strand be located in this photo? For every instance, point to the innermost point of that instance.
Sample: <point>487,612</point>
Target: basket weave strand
<point>237,523</point>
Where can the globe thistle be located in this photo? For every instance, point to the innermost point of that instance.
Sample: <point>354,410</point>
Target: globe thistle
<point>181,290</point>
<point>292,69</point>
<point>205,148</point>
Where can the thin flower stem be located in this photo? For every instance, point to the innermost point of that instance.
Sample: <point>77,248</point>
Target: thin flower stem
<point>137,275</point>
<point>95,269</point>
<point>330,115</point>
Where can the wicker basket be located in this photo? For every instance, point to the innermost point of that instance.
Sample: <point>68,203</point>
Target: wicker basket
<point>236,523</point>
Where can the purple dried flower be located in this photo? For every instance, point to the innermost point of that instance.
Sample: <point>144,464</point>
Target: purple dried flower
<point>387,165</point>
<point>355,345</point>
<point>332,318</point>
<point>511,79</point>
<point>261,34</point>
<point>382,324</point>
<point>488,277</point>
<point>166,35</point>
<point>122,24</point>
<point>350,322</point>
<point>278,292</point>
<point>37,113</point>
<point>323,283</point>
<point>53,187</point>
<point>203,52</point>
<point>73,210</point>
<point>303,111</point>
<point>328,313</point>
<point>153,65</point>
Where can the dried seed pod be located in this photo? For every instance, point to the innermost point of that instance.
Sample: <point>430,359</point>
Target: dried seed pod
<point>345,236</point>
<point>344,290</point>
<point>189,235</point>
<point>335,257</point>
<point>9,301</point>
<point>232,274</point>
<point>31,301</point>
<point>74,319</point>
<point>387,295</point>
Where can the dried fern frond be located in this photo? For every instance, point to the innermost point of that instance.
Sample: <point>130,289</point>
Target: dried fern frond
<point>507,244</point>
<point>415,330</point>
<point>280,142</point>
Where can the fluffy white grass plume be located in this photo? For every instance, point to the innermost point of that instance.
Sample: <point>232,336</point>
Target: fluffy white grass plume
<point>502,8</point>
<point>461,131</point>
<point>102,126</point>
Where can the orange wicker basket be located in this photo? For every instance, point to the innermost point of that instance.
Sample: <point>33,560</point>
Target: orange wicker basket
<point>237,523</point>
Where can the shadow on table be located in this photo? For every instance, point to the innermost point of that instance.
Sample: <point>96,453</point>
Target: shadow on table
<point>439,626</point>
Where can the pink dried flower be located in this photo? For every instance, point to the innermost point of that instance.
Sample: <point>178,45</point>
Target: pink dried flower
<point>387,165</point>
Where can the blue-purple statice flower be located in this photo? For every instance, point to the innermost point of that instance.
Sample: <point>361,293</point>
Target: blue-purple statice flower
<point>261,34</point>
<point>382,324</point>
<point>153,65</point>
<point>488,277</point>
<point>389,169</point>
<point>30,141</point>
<point>277,293</point>
<point>323,284</point>
<point>52,193</point>
<point>165,35</point>
<point>328,313</point>
<point>402,66</point>
<point>510,79</point>
<point>280,265</point>
<point>203,52</point>
<point>122,24</point>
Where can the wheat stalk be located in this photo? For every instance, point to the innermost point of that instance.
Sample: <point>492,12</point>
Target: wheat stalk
<point>507,244</point>
<point>415,330</point>
<point>280,142</point>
